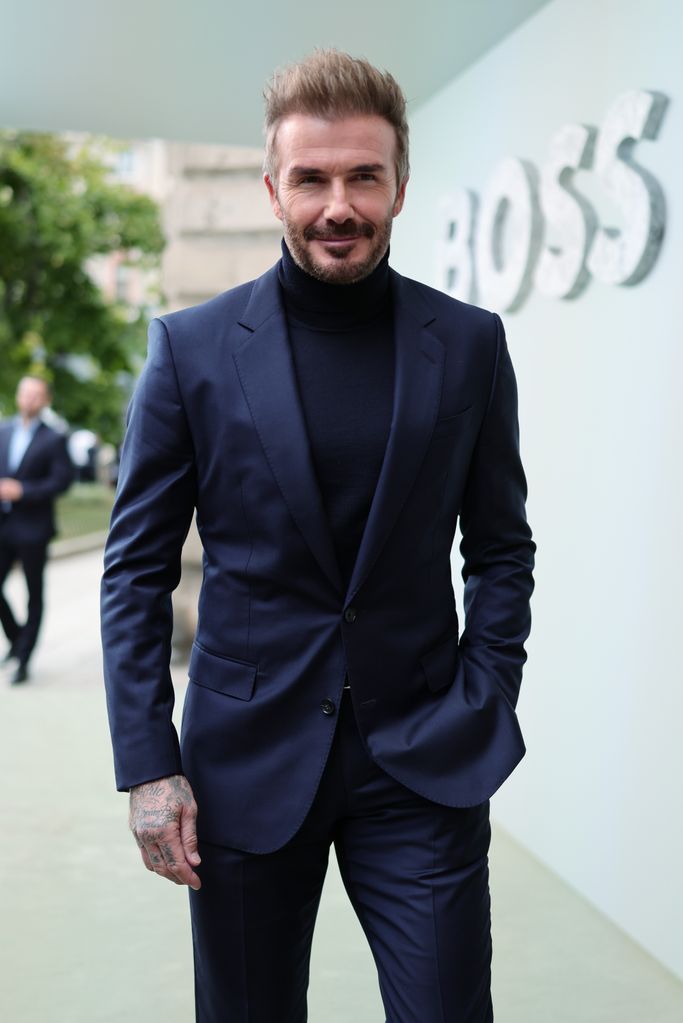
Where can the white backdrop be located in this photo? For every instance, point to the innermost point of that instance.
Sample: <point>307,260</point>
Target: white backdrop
<point>598,797</point>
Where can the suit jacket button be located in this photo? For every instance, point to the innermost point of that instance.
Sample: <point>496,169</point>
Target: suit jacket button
<point>350,614</point>
<point>328,707</point>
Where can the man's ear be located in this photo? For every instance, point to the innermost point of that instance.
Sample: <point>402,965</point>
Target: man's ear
<point>274,202</point>
<point>400,198</point>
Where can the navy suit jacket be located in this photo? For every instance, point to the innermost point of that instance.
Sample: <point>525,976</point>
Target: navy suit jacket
<point>44,472</point>
<point>216,424</point>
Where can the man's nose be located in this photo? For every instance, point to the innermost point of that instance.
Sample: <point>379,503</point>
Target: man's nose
<point>338,206</point>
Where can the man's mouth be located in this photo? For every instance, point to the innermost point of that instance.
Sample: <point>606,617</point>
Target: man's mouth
<point>346,240</point>
<point>346,234</point>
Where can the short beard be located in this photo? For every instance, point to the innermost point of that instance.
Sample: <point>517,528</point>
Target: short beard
<point>340,272</point>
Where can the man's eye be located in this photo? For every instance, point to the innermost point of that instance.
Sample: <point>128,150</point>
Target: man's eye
<point>310,179</point>
<point>366,176</point>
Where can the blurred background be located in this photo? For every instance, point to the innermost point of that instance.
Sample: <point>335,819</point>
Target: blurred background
<point>546,155</point>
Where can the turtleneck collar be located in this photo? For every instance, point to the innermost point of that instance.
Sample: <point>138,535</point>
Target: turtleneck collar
<point>325,306</point>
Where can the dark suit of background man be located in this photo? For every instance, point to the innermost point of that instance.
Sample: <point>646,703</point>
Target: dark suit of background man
<point>330,422</point>
<point>34,468</point>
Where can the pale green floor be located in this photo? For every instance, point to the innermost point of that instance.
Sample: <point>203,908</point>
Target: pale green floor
<point>88,936</point>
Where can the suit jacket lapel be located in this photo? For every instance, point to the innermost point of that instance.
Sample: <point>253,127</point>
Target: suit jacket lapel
<point>5,434</point>
<point>266,372</point>
<point>418,380</point>
<point>30,447</point>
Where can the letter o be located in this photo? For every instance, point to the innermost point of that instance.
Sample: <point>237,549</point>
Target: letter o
<point>509,234</point>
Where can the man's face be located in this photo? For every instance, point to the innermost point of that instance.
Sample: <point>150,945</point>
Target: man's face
<point>32,397</point>
<point>336,193</point>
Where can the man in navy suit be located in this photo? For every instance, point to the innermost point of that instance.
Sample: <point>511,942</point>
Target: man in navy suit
<point>34,468</point>
<point>330,422</point>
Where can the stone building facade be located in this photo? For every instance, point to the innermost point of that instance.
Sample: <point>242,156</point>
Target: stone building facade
<point>218,222</point>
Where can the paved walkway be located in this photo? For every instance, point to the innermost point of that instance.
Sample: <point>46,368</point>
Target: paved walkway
<point>88,936</point>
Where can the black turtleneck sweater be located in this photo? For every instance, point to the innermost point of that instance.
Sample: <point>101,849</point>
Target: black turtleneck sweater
<point>341,337</point>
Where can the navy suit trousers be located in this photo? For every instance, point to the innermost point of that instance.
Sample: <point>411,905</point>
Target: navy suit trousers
<point>32,557</point>
<point>416,873</point>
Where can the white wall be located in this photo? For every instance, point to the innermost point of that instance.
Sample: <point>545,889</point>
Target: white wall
<point>598,797</point>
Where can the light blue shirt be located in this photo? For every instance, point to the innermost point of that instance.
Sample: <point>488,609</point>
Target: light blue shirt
<point>20,439</point>
<point>22,435</point>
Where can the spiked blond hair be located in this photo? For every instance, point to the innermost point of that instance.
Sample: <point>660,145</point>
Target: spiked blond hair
<point>331,84</point>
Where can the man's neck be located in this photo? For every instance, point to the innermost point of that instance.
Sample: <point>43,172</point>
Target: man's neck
<point>326,305</point>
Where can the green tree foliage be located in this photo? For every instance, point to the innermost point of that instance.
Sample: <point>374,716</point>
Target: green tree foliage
<point>58,209</point>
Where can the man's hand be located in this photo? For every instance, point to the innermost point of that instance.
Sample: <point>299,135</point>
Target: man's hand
<point>162,818</point>
<point>10,489</point>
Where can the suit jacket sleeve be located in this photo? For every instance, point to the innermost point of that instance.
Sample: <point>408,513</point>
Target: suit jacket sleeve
<point>151,516</point>
<point>497,549</point>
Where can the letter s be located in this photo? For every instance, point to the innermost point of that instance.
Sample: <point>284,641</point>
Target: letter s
<point>570,219</point>
<point>625,255</point>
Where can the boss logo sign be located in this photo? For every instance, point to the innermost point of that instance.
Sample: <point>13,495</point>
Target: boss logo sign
<point>538,230</point>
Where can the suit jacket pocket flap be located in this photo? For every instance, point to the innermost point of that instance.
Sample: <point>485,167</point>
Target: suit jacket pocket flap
<point>222,674</point>
<point>440,662</point>
<point>449,426</point>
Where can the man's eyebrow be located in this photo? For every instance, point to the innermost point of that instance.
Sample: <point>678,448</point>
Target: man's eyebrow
<point>299,171</point>
<point>303,172</point>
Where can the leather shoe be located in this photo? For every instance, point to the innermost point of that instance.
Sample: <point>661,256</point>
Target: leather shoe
<point>20,675</point>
